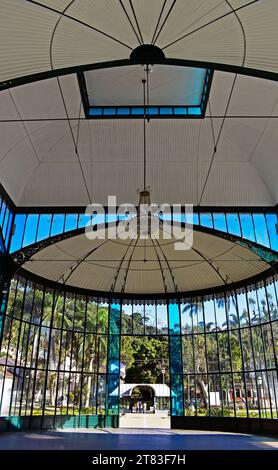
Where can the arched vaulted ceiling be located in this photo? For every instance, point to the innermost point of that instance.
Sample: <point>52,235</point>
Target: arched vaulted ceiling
<point>38,162</point>
<point>40,35</point>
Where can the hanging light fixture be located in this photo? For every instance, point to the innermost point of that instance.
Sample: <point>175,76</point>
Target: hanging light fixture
<point>146,223</point>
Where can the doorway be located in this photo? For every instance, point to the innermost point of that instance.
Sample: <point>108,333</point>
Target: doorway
<point>145,382</point>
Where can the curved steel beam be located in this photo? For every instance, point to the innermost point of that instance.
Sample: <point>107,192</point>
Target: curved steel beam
<point>235,69</point>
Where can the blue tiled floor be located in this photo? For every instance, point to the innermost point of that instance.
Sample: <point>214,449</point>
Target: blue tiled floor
<point>134,439</point>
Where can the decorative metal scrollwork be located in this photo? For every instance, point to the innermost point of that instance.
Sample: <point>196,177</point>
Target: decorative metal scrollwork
<point>267,255</point>
<point>25,254</point>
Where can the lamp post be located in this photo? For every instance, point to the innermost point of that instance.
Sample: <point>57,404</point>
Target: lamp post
<point>163,371</point>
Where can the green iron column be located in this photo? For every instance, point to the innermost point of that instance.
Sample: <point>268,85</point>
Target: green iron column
<point>175,359</point>
<point>113,363</point>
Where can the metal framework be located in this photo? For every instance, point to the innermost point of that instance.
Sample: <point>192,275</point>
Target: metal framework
<point>56,342</point>
<point>158,111</point>
<point>118,63</point>
<point>61,353</point>
<point>255,225</point>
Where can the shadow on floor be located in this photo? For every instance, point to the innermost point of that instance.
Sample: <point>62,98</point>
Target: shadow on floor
<point>131,439</point>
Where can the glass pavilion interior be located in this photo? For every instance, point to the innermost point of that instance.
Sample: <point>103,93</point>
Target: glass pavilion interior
<point>77,125</point>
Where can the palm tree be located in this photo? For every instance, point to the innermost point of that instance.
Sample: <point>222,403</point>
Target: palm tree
<point>273,313</point>
<point>95,346</point>
<point>210,326</point>
<point>193,309</point>
<point>233,321</point>
<point>226,303</point>
<point>252,303</point>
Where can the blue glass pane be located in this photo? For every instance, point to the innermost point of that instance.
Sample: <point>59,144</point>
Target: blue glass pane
<point>17,237</point>
<point>2,247</point>
<point>95,111</point>
<point>9,229</point>
<point>111,218</point>
<point>98,219</point>
<point>152,110</point>
<point>188,217</point>
<point>137,111</point>
<point>176,395</point>
<point>178,217</point>
<point>2,213</point>
<point>114,354</point>
<point>166,216</point>
<point>247,227</point>
<point>194,111</point>
<point>180,111</point>
<point>71,222</point>
<point>271,220</point>
<point>113,392</point>
<point>220,222</point>
<point>166,111</point>
<point>121,217</point>
<point>175,354</point>
<point>115,318</point>
<point>109,111</point>
<point>30,229</point>
<point>44,226</point>
<point>181,217</point>
<point>196,218</point>
<point>123,111</point>
<point>174,319</point>
<point>233,224</point>
<point>206,220</point>
<point>84,220</point>
<point>261,229</point>
<point>5,224</point>
<point>57,226</point>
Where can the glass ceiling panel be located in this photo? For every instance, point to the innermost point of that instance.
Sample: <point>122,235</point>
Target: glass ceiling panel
<point>122,86</point>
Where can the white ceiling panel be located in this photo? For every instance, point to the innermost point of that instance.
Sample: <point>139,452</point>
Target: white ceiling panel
<point>35,37</point>
<point>124,266</point>
<point>110,152</point>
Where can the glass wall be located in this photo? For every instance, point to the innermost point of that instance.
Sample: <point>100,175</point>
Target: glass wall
<point>31,228</point>
<point>53,353</point>
<point>230,347</point>
<point>6,218</point>
<point>60,352</point>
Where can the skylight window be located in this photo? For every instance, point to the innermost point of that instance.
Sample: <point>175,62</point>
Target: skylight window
<point>174,92</point>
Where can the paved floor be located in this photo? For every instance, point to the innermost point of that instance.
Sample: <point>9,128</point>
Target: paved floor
<point>146,421</point>
<point>134,439</point>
